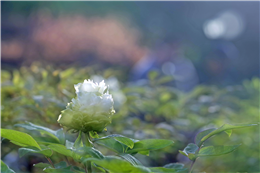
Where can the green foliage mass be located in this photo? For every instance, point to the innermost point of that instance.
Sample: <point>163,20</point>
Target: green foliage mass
<point>144,113</point>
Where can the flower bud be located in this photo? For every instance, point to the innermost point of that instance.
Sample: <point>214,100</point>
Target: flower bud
<point>91,110</point>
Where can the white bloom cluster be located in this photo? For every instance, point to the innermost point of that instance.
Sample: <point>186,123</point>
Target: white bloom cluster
<point>91,110</point>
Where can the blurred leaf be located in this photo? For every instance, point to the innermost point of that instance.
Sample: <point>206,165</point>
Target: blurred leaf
<point>145,152</point>
<point>114,136</point>
<point>60,149</point>
<point>131,159</point>
<point>126,141</point>
<point>191,148</point>
<point>5,168</point>
<point>78,170</point>
<point>164,79</point>
<point>163,170</point>
<point>150,144</point>
<point>216,150</point>
<point>61,170</point>
<point>114,164</point>
<point>23,151</point>
<point>174,165</point>
<point>78,143</point>
<point>223,128</point>
<point>83,151</point>
<point>61,164</point>
<point>19,137</point>
<point>42,165</point>
<point>58,135</point>
<point>228,132</point>
<point>69,145</point>
<point>152,75</point>
<point>112,144</point>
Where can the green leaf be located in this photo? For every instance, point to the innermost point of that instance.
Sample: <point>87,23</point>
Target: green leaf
<point>60,149</point>
<point>61,164</point>
<point>202,134</point>
<point>176,166</point>
<point>162,170</point>
<point>190,151</point>
<point>78,143</point>
<point>114,136</point>
<point>223,128</point>
<point>69,145</point>
<point>145,152</point>
<point>228,132</point>
<point>112,144</point>
<point>165,79</point>
<point>23,151</point>
<point>114,164</point>
<point>93,134</point>
<point>5,168</point>
<point>19,137</point>
<point>78,170</point>
<point>131,159</point>
<point>126,141</point>
<point>61,170</point>
<point>216,150</point>
<point>57,135</point>
<point>83,151</point>
<point>152,75</point>
<point>42,165</point>
<point>150,144</point>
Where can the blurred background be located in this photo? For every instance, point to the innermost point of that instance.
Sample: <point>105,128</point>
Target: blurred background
<point>178,66</point>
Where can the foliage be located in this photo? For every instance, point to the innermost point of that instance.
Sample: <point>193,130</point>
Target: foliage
<point>145,112</point>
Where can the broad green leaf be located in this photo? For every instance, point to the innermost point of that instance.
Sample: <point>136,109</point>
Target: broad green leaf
<point>61,164</point>
<point>45,140</point>
<point>61,170</point>
<point>131,159</point>
<point>114,164</point>
<point>216,150</point>
<point>60,149</point>
<point>83,151</point>
<point>19,144</point>
<point>174,165</point>
<point>42,165</point>
<point>60,135</point>
<point>145,152</point>
<point>150,144</point>
<point>78,170</point>
<point>23,151</point>
<point>200,135</point>
<point>5,168</point>
<point>126,141</point>
<point>115,136</point>
<point>57,135</point>
<point>162,170</point>
<point>19,137</point>
<point>112,144</point>
<point>223,128</point>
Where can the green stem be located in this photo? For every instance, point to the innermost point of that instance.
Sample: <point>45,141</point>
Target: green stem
<point>50,162</point>
<point>88,144</point>
<point>191,166</point>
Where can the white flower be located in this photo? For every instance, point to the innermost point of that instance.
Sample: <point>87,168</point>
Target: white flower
<point>91,110</point>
